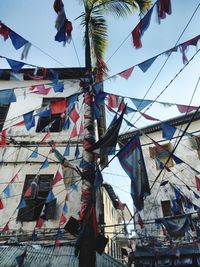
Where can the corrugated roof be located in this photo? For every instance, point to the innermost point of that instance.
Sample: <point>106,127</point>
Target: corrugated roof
<point>47,256</point>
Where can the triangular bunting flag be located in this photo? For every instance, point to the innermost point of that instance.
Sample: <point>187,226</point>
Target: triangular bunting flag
<point>57,178</point>
<point>126,73</point>
<point>1,204</point>
<point>74,132</point>
<point>6,228</point>
<point>63,219</point>
<point>34,153</point>
<point>7,96</point>
<point>50,197</point>
<point>45,164</point>
<point>77,152</point>
<point>22,204</point>
<point>140,104</point>
<point>197,180</point>
<point>148,117</point>
<point>29,120</point>
<point>39,223</point>
<point>144,66</point>
<point>15,65</point>
<point>65,208</point>
<point>168,131</point>
<point>74,116</point>
<point>17,40</point>
<point>67,150</point>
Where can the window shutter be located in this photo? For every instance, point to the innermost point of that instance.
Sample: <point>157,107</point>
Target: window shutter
<point>26,214</point>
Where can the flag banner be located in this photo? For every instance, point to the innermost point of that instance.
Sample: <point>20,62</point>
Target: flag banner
<point>197,180</point>
<point>65,208</point>
<point>7,96</point>
<point>132,161</point>
<point>74,116</point>
<point>144,66</point>
<point>15,65</point>
<point>17,40</point>
<point>57,178</point>
<point>106,145</point>
<point>39,223</point>
<point>50,197</point>
<point>42,90</point>
<point>1,204</point>
<point>67,150</point>
<point>140,104</point>
<point>45,164</point>
<point>176,226</point>
<point>58,87</point>
<point>168,131</point>
<point>29,120</point>
<point>148,117</point>
<point>184,108</point>
<point>22,204</point>
<point>34,154</point>
<point>126,73</point>
<point>98,177</point>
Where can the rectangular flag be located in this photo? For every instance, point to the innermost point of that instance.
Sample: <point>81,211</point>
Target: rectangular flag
<point>132,161</point>
<point>106,145</point>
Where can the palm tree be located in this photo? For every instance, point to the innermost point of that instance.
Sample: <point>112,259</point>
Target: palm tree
<point>95,42</point>
<point>94,23</point>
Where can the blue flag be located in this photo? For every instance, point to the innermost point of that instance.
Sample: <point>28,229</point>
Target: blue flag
<point>17,40</point>
<point>29,120</point>
<point>22,204</point>
<point>45,164</point>
<point>14,64</point>
<point>168,131</point>
<point>67,150</point>
<point>132,161</point>
<point>7,96</point>
<point>35,153</point>
<point>50,197</point>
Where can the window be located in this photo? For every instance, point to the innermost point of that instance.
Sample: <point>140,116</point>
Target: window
<point>166,208</point>
<point>54,122</point>
<point>3,114</point>
<point>36,202</point>
<point>175,209</point>
<point>161,156</point>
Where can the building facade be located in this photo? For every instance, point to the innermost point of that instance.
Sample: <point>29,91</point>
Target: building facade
<point>167,229</point>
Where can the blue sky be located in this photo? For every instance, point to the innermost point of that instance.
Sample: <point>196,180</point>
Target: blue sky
<point>34,20</point>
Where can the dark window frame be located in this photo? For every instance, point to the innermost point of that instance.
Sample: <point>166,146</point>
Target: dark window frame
<point>36,203</point>
<point>54,123</point>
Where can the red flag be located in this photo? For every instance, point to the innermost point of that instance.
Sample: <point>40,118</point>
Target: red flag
<point>57,178</point>
<point>81,131</point>
<point>185,108</point>
<point>113,101</point>
<point>140,221</point>
<point>42,90</point>
<point>21,123</point>
<point>14,178</point>
<point>126,73</point>
<point>6,228</point>
<point>58,107</point>
<point>4,31</point>
<point>62,219</point>
<point>39,223</point>
<point>73,132</point>
<point>121,106</point>
<point>3,138</point>
<point>74,116</point>
<point>47,135</point>
<point>28,192</point>
<point>148,117</point>
<point>136,34</point>
<point>197,180</point>
<point>57,243</point>
<point>1,204</point>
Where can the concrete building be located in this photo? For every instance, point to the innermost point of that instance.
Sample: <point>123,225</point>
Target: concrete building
<point>29,168</point>
<point>174,194</point>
